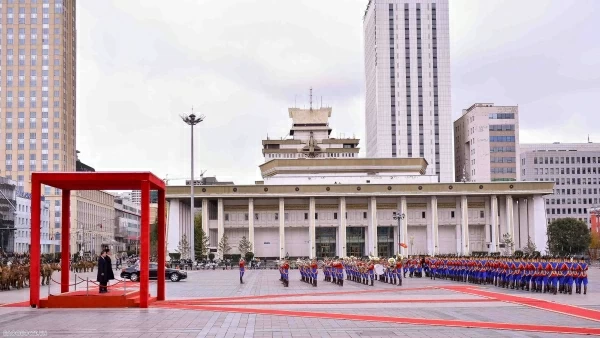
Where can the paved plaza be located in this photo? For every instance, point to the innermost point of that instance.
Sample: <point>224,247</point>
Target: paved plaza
<point>214,304</point>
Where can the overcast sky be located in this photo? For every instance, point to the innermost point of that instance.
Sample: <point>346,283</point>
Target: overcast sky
<point>242,63</point>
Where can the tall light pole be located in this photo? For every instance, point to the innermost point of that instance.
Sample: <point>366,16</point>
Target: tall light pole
<point>192,120</point>
<point>399,216</point>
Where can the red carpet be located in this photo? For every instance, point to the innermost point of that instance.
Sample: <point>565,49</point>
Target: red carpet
<point>531,302</point>
<point>328,301</point>
<point>287,295</point>
<point>397,320</point>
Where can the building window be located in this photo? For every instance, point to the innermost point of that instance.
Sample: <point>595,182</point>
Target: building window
<point>481,214</point>
<point>364,215</point>
<point>245,217</point>
<point>335,215</point>
<point>256,217</point>
<point>423,214</point>
<point>451,214</point>
<point>227,217</point>
<point>276,216</point>
<point>316,215</point>
<point>305,215</point>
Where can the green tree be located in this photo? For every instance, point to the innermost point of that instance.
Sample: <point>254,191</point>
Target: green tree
<point>508,243</point>
<point>201,242</point>
<point>184,247</point>
<point>568,236</point>
<point>224,247</point>
<point>244,246</point>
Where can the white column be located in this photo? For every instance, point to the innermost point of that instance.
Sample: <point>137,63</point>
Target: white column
<point>220,223</point>
<point>516,232</point>
<point>494,222</point>
<point>429,228</point>
<point>281,228</point>
<point>509,220</point>
<point>502,219</point>
<point>458,217</point>
<point>531,220</point>
<point>251,223</point>
<point>372,227</point>
<point>523,222</point>
<point>312,231</point>
<point>173,221</point>
<point>538,222</point>
<point>342,228</point>
<point>404,238</point>
<point>434,225</point>
<point>464,207</point>
<point>205,216</point>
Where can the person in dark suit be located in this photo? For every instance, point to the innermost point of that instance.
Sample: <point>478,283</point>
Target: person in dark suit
<point>102,276</point>
<point>111,275</point>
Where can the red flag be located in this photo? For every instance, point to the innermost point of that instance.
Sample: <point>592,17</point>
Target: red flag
<point>403,245</point>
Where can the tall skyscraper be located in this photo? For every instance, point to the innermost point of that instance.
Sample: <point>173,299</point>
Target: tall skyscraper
<point>486,144</point>
<point>407,67</point>
<point>37,100</point>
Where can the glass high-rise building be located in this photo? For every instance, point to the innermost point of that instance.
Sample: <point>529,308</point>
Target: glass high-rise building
<point>407,67</point>
<point>37,96</point>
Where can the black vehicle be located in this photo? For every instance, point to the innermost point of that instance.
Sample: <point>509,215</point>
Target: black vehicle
<point>133,273</point>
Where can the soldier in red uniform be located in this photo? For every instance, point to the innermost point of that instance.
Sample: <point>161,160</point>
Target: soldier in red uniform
<point>284,268</point>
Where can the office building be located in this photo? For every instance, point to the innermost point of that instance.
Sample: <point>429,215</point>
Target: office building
<point>7,214</point>
<point>92,221</point>
<point>319,205</point>
<point>486,139</point>
<point>575,170</point>
<point>49,239</point>
<point>38,97</point>
<point>127,224</point>
<point>407,68</point>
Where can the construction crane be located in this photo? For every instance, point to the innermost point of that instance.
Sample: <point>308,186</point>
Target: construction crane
<point>167,178</point>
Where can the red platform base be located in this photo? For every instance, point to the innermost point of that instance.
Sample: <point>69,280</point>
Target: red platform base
<point>83,299</point>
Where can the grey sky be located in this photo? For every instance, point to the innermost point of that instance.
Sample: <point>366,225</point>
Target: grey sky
<point>242,63</point>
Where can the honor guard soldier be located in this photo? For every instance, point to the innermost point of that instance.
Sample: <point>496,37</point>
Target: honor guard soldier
<point>285,268</point>
<point>314,271</point>
<point>398,270</point>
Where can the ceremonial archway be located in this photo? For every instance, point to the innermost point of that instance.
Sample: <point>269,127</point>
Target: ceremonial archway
<point>68,181</point>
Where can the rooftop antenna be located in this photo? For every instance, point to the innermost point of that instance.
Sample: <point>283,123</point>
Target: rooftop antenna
<point>589,139</point>
<point>321,101</point>
<point>310,98</point>
<point>295,101</point>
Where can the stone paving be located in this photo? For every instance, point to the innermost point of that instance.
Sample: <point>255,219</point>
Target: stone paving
<point>184,314</point>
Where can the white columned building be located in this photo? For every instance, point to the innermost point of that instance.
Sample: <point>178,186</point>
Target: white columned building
<point>318,199</point>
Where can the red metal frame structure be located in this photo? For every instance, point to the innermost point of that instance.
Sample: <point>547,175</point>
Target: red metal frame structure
<point>68,181</point>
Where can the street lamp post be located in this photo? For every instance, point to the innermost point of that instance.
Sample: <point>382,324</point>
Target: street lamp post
<point>192,120</point>
<point>399,217</point>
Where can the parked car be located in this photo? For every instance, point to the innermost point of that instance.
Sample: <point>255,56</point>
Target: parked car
<point>133,273</point>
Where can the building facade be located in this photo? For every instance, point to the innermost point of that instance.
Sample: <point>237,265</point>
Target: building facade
<point>49,239</point>
<point>486,139</point>
<point>595,219</point>
<point>92,221</point>
<point>127,224</point>
<point>575,170</point>
<point>38,95</point>
<point>8,189</point>
<point>325,220</point>
<point>309,138</point>
<point>407,68</point>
